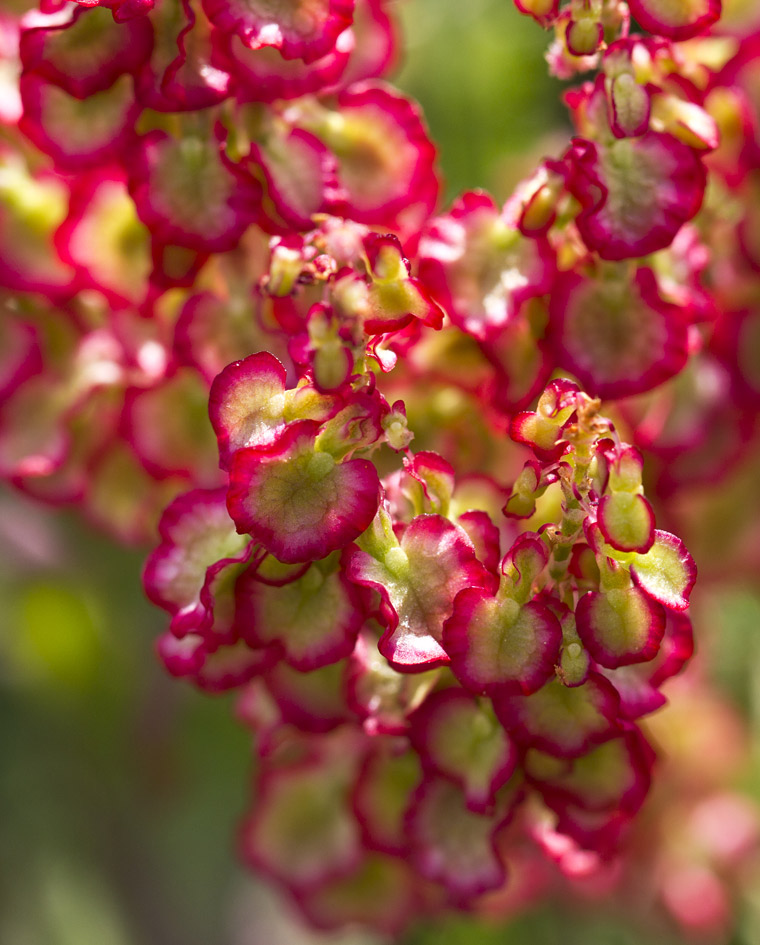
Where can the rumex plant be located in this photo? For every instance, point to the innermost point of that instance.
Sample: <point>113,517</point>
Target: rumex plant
<point>414,536</point>
<point>421,700</point>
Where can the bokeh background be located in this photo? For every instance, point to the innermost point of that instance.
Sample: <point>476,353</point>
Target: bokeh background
<point>120,790</point>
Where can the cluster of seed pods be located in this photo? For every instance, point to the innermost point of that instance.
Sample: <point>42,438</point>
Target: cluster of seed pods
<point>429,679</point>
<point>217,209</point>
<point>148,154</point>
<point>141,183</point>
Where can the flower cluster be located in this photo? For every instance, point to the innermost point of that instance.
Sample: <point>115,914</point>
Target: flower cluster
<point>149,153</point>
<point>420,698</point>
<point>214,209</point>
<point>135,232</point>
<point>650,212</point>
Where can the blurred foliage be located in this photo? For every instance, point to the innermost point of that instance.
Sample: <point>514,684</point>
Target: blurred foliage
<point>120,789</point>
<point>478,70</point>
<point>546,925</point>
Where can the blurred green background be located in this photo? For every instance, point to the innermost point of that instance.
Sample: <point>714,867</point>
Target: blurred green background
<point>119,789</point>
<point>478,70</point>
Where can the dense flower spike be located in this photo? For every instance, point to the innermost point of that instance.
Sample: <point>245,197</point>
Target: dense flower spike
<point>468,686</point>
<point>418,550</point>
